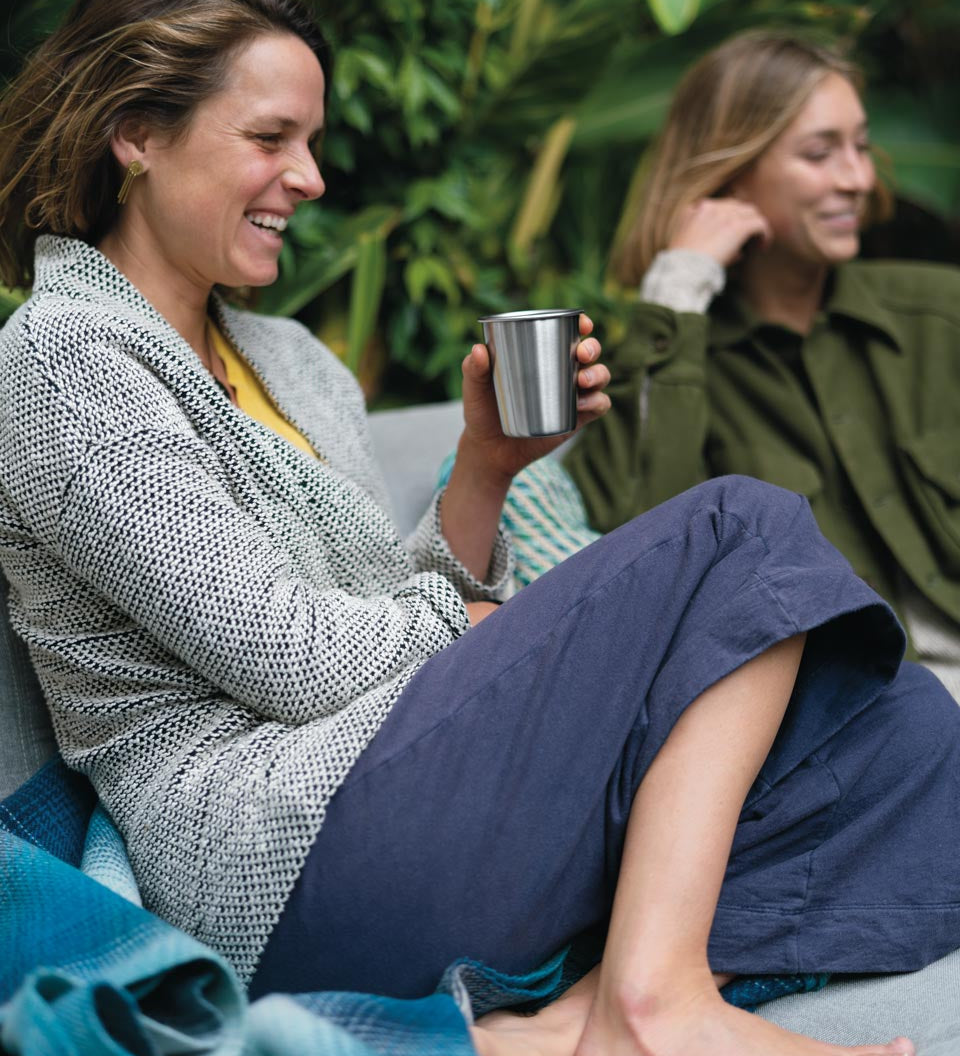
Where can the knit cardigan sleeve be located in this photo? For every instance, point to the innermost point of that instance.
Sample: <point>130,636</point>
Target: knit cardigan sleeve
<point>288,590</point>
<point>150,523</point>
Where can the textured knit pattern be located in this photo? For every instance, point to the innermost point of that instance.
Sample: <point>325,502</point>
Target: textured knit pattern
<point>684,280</point>
<point>220,623</point>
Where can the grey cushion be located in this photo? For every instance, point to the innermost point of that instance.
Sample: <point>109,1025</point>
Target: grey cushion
<point>923,1006</point>
<point>26,738</point>
<point>411,445</point>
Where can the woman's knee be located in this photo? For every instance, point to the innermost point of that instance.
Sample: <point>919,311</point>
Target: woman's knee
<point>749,497</point>
<point>746,504</point>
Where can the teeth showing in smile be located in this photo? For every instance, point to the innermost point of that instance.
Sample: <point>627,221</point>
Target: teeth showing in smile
<point>276,223</point>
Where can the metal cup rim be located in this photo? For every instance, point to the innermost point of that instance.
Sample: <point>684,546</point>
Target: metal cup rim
<point>530,313</point>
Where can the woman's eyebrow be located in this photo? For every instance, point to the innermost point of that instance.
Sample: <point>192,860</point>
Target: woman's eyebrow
<point>287,123</point>
<point>833,133</point>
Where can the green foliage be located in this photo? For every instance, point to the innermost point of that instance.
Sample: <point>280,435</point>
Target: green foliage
<point>480,154</point>
<point>673,16</point>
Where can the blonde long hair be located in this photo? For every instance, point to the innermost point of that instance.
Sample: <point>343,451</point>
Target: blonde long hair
<point>727,110</point>
<point>111,61</point>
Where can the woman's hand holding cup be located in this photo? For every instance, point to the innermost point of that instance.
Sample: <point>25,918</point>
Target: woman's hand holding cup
<point>484,440</point>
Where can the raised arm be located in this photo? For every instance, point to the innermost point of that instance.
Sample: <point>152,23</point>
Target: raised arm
<point>487,461</point>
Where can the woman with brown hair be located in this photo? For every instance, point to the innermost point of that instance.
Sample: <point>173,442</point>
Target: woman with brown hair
<point>759,344</point>
<point>332,755</point>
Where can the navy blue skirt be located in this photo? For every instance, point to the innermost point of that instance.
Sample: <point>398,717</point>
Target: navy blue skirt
<point>487,817</point>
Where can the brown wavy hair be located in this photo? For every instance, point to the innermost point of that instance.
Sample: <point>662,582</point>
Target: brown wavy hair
<point>727,110</point>
<point>111,61</point>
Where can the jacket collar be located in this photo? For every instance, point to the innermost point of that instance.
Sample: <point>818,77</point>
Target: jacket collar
<point>850,296</point>
<point>68,267</point>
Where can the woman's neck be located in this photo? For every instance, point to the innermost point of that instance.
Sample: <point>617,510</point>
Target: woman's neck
<point>781,291</point>
<point>181,302</point>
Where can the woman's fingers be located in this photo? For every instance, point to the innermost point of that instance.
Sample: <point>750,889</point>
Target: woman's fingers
<point>592,379</point>
<point>588,351</point>
<point>477,362</point>
<point>720,227</point>
<point>590,405</point>
<point>595,377</point>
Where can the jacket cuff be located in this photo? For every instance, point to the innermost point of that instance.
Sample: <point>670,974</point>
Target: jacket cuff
<point>430,551</point>
<point>683,280</point>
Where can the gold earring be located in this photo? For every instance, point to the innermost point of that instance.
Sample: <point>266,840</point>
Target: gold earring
<point>134,169</point>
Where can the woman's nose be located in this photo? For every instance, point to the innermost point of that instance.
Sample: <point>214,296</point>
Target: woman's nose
<point>856,171</point>
<point>304,176</point>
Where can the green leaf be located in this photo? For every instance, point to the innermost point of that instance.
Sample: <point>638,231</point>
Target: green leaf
<point>542,195</point>
<point>366,294</point>
<point>355,112</point>
<point>449,195</point>
<point>425,273</point>
<point>673,16</point>
<point>319,268</point>
<point>10,300</point>
<point>920,141</point>
<point>439,94</point>
<point>412,86</point>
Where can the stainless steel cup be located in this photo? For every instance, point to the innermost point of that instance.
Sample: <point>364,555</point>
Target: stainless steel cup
<point>534,357</point>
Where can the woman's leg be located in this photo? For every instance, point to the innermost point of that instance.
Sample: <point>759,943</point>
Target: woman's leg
<point>654,993</point>
<point>487,817</point>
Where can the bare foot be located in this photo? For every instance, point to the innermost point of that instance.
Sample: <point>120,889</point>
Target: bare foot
<point>554,1031</point>
<point>701,1023</point>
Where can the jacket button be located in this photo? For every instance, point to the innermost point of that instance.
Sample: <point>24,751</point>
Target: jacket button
<point>660,344</point>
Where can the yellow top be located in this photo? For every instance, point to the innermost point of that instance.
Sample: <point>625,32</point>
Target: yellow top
<point>252,397</point>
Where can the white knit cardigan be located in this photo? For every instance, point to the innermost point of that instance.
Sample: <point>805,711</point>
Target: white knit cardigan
<point>220,623</point>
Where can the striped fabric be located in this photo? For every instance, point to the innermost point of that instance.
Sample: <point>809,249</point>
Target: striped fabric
<point>545,516</point>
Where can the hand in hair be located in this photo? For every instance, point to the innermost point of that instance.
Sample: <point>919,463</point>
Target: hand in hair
<point>720,227</point>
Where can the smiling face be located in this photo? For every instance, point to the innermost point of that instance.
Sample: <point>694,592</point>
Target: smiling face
<point>212,205</point>
<point>813,183</point>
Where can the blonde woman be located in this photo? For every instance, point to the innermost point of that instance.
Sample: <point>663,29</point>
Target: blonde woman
<point>760,345</point>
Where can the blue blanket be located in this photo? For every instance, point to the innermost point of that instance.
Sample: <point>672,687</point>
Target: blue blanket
<point>85,969</point>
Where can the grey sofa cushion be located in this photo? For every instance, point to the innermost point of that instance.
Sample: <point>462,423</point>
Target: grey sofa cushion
<point>26,737</point>
<point>923,1006</point>
<point>411,445</point>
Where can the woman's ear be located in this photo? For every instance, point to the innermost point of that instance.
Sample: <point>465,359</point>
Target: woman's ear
<point>129,142</point>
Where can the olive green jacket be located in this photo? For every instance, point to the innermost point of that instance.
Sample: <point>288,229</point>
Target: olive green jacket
<point>862,416</point>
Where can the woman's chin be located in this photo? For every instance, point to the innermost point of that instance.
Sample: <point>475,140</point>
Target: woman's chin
<point>842,248</point>
<point>256,277</point>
